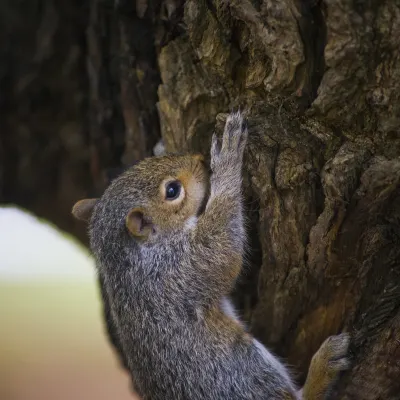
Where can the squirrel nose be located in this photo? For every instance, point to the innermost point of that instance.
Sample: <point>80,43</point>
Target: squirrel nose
<point>199,157</point>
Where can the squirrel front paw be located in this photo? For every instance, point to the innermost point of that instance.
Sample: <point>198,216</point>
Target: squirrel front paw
<point>229,154</point>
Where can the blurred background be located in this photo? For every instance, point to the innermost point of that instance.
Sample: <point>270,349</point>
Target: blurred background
<point>53,343</point>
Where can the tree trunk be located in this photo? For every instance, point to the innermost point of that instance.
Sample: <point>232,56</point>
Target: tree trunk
<point>88,87</point>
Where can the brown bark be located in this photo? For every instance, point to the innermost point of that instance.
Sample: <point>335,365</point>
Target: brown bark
<point>87,87</point>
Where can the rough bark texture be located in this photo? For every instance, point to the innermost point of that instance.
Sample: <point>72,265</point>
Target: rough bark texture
<point>87,87</point>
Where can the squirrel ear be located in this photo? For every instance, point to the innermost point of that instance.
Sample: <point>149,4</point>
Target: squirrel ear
<point>137,224</point>
<point>82,210</point>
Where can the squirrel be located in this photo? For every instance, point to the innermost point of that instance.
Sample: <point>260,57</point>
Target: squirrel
<point>169,241</point>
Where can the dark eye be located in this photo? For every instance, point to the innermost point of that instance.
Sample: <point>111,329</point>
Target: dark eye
<point>173,190</point>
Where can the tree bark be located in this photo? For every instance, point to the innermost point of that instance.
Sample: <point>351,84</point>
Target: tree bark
<point>88,88</point>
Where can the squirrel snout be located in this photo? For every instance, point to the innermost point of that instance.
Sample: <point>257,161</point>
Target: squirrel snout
<point>199,157</point>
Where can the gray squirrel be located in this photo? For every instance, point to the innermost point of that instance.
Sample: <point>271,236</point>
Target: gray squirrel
<point>169,240</point>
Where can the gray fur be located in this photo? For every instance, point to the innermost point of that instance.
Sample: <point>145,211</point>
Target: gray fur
<point>159,292</point>
<point>163,292</point>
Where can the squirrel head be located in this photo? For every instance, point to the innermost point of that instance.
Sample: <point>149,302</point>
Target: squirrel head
<point>155,196</point>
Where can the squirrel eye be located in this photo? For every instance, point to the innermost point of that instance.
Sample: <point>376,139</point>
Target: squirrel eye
<point>172,190</point>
